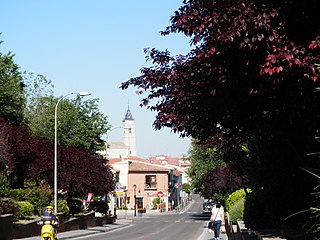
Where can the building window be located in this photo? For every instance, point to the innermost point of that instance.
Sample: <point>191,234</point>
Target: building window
<point>151,182</point>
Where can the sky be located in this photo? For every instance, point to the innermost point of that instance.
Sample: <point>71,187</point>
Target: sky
<point>94,46</point>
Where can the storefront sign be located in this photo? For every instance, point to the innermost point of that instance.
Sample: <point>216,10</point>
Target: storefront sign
<point>152,194</point>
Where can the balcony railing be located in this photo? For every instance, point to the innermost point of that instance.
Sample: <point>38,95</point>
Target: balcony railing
<point>150,185</point>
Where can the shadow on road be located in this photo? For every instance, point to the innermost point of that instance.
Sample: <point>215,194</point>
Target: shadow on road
<point>205,216</point>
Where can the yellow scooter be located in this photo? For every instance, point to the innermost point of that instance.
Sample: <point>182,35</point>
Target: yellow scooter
<point>47,228</point>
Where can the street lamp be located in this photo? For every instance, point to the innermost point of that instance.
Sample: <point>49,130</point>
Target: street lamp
<point>134,195</point>
<point>82,94</point>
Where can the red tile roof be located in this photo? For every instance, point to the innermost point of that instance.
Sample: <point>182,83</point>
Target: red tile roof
<point>153,164</point>
<point>163,160</point>
<point>114,160</point>
<point>146,167</point>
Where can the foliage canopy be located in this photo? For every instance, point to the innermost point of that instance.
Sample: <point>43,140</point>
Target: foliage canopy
<point>12,90</point>
<point>249,81</point>
<point>79,122</point>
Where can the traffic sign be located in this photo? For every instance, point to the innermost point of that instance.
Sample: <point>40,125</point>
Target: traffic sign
<point>160,194</point>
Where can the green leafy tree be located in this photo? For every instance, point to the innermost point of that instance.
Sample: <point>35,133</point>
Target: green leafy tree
<point>80,123</point>
<point>90,125</point>
<point>186,187</point>
<point>12,98</point>
<point>38,90</point>
<point>203,160</point>
<point>37,86</point>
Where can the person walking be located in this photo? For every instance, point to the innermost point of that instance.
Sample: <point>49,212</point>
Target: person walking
<point>217,216</point>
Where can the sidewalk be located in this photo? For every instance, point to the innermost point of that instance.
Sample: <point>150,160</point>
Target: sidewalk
<point>85,232</point>
<point>206,235</point>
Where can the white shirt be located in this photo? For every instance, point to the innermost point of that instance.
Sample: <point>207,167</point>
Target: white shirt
<point>217,214</point>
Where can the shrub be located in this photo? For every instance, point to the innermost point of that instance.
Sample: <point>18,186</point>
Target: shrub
<point>155,202</point>
<point>99,206</point>
<point>235,197</point>
<point>236,212</point>
<point>186,187</point>
<point>75,205</point>
<point>4,185</point>
<point>62,207</point>
<point>18,194</point>
<point>25,210</point>
<point>38,194</point>
<point>8,206</point>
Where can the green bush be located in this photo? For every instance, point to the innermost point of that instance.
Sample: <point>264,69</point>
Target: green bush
<point>75,205</point>
<point>18,194</point>
<point>235,197</point>
<point>8,206</point>
<point>155,202</point>
<point>62,206</point>
<point>99,206</point>
<point>25,210</point>
<point>236,212</point>
<point>38,194</point>
<point>4,185</point>
<point>186,187</point>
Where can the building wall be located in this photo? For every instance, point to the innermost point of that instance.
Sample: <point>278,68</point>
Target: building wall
<point>147,194</point>
<point>123,174</point>
<point>129,133</point>
<point>129,137</point>
<point>117,152</point>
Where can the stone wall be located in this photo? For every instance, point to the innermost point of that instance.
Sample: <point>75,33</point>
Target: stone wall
<point>83,222</point>
<point>29,229</point>
<point>10,230</point>
<point>6,229</point>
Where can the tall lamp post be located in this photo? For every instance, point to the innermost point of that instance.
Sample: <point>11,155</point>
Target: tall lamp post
<point>134,195</point>
<point>82,94</point>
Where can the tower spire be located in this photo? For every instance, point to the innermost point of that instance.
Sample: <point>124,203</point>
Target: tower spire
<point>128,115</point>
<point>129,133</point>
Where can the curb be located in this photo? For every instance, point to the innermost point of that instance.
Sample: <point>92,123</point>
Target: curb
<point>91,231</point>
<point>88,231</point>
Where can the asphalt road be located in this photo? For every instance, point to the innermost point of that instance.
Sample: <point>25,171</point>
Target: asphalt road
<point>190,224</point>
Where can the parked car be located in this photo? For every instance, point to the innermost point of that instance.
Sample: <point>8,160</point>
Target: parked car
<point>207,206</point>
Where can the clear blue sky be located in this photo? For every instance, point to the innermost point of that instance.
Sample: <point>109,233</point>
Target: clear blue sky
<point>83,45</point>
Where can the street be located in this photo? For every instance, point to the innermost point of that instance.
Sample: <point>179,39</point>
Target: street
<point>190,224</point>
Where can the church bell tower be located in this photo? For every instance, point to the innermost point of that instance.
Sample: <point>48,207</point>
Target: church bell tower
<point>129,133</point>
